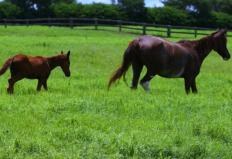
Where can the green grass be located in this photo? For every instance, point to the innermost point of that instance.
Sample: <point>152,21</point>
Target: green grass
<point>78,118</point>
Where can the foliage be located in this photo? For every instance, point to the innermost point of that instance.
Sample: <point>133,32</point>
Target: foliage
<point>134,9</point>
<point>9,10</point>
<point>65,10</point>
<point>168,15</point>
<point>222,20</point>
<point>37,8</point>
<point>98,10</point>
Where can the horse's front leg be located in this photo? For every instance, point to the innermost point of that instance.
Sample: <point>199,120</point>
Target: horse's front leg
<point>39,85</point>
<point>187,83</point>
<point>193,86</point>
<point>145,81</point>
<point>45,84</point>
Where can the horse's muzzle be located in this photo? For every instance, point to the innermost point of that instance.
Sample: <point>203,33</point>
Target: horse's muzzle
<point>226,58</point>
<point>68,74</point>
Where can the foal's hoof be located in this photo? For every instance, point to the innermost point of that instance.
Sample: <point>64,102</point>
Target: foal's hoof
<point>133,88</point>
<point>9,91</point>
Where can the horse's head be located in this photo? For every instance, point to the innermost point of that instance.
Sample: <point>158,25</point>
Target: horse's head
<point>65,63</point>
<point>219,43</point>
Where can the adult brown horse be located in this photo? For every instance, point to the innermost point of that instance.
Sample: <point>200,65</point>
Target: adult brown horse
<point>168,59</point>
<point>38,67</point>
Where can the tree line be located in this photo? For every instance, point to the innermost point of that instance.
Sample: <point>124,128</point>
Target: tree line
<point>206,13</point>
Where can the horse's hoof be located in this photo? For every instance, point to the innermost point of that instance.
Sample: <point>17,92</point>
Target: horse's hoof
<point>145,86</point>
<point>133,88</point>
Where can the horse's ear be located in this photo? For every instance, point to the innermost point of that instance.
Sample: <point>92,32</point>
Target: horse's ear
<point>68,54</point>
<point>219,33</point>
<point>223,31</point>
<point>218,30</point>
<point>62,52</point>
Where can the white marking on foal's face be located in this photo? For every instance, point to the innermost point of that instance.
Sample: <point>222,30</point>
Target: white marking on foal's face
<point>145,86</point>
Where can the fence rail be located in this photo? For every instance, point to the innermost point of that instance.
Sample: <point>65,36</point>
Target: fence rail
<point>96,23</point>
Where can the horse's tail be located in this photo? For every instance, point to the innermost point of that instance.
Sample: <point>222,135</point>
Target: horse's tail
<point>127,60</point>
<point>5,66</point>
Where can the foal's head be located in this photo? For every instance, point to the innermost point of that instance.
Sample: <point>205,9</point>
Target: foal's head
<point>219,43</point>
<point>65,63</point>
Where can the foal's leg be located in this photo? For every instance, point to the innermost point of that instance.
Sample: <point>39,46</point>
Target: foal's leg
<point>193,86</point>
<point>12,82</point>
<point>137,68</point>
<point>39,85</point>
<point>145,82</point>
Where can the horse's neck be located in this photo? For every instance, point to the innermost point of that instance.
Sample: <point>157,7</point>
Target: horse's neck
<point>203,47</point>
<point>53,62</point>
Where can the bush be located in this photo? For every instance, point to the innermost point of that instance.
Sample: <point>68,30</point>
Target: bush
<point>99,10</point>
<point>66,10</point>
<point>168,15</point>
<point>133,10</point>
<point>9,10</point>
<point>222,20</point>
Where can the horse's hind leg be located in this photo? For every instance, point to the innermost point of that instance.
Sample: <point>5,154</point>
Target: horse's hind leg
<point>39,85</point>
<point>137,68</point>
<point>187,83</point>
<point>45,84</point>
<point>12,82</point>
<point>145,81</point>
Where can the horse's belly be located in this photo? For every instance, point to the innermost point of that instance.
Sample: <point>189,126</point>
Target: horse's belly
<point>172,73</point>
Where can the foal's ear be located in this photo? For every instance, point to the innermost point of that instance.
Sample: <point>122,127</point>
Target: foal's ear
<point>68,54</point>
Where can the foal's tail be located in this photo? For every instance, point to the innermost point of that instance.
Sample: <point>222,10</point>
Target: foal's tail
<point>5,66</point>
<point>127,60</point>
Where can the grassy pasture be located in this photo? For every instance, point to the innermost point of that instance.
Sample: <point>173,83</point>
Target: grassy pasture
<point>78,118</point>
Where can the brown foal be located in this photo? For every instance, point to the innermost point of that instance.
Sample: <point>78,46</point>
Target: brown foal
<point>38,67</point>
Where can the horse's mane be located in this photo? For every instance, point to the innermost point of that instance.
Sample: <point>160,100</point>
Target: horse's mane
<point>203,42</point>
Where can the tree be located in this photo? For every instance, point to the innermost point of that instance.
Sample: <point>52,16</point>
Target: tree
<point>64,10</point>
<point>37,8</point>
<point>133,9</point>
<point>9,10</point>
<point>113,2</point>
<point>98,10</point>
<point>199,9</point>
<point>168,15</point>
<point>222,6</point>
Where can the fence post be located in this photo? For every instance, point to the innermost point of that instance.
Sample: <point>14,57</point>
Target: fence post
<point>144,29</point>
<point>169,31</point>
<point>27,22</point>
<point>96,23</point>
<point>49,22</point>
<point>71,23</point>
<point>5,23</point>
<point>119,25</point>
<point>195,32</point>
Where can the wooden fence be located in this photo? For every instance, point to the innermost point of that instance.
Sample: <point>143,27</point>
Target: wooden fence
<point>141,28</point>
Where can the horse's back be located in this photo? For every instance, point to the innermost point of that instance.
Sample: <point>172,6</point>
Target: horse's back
<point>30,66</point>
<point>164,57</point>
